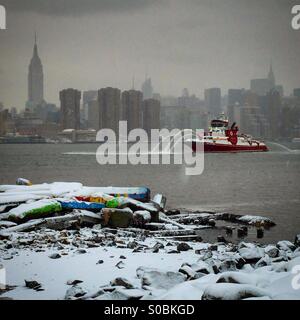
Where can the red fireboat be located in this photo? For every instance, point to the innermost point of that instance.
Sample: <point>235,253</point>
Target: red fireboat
<point>221,138</point>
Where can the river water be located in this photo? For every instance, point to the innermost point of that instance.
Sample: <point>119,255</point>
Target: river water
<point>265,184</point>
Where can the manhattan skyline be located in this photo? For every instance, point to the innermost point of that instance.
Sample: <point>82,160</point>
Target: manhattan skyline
<point>198,45</point>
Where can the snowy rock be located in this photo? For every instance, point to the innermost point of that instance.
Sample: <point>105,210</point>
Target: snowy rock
<point>286,245</point>
<point>33,285</point>
<point>188,271</point>
<point>81,251</point>
<point>162,279</point>
<point>271,251</point>
<point>122,282</point>
<point>227,265</point>
<point>183,246</point>
<point>251,254</point>
<point>73,282</point>
<point>257,221</point>
<point>7,224</point>
<point>141,217</point>
<point>201,267</point>
<point>55,256</point>
<point>265,261</point>
<point>127,294</point>
<point>74,292</point>
<point>132,244</point>
<point>232,291</point>
<point>157,246</point>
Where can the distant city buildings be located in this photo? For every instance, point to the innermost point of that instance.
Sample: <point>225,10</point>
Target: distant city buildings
<point>187,100</point>
<point>70,108</point>
<point>262,86</point>
<point>251,121</point>
<point>213,101</point>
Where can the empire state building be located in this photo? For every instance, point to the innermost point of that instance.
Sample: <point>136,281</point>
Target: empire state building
<point>35,80</point>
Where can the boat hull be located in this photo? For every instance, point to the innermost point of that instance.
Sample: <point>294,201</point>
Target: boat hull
<point>222,148</point>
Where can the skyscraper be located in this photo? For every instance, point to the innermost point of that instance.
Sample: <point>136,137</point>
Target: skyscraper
<point>147,89</point>
<point>262,86</point>
<point>213,101</point>
<point>70,108</point>
<point>35,80</point>
<point>132,108</point>
<point>109,108</point>
<point>151,115</point>
<point>271,77</point>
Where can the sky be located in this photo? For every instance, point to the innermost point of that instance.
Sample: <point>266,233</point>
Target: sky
<point>90,44</point>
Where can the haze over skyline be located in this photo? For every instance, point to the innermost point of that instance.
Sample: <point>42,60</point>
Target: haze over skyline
<point>195,44</point>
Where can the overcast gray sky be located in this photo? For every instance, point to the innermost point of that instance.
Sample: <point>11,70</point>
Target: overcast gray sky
<point>89,44</point>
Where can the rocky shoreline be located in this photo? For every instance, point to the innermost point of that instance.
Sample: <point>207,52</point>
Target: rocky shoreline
<point>138,251</point>
<point>164,268</point>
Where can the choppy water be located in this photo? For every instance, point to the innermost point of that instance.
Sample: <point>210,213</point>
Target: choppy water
<point>265,184</point>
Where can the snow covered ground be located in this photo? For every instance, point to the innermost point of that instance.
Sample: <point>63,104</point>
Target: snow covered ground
<point>62,258</point>
<point>117,265</point>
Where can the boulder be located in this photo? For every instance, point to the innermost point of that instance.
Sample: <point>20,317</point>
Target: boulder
<point>251,254</point>
<point>188,271</point>
<point>74,292</point>
<point>122,282</point>
<point>286,245</point>
<point>117,218</point>
<point>271,251</point>
<point>161,279</point>
<point>140,218</point>
<point>183,246</point>
<point>232,291</point>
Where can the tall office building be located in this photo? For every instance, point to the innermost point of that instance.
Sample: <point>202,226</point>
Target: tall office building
<point>262,86</point>
<point>70,108</point>
<point>236,96</point>
<point>35,80</point>
<point>132,108</point>
<point>151,115</point>
<point>93,115</point>
<point>147,89</point>
<point>273,113</point>
<point>87,97</point>
<point>109,100</point>
<point>213,101</point>
<point>271,77</point>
